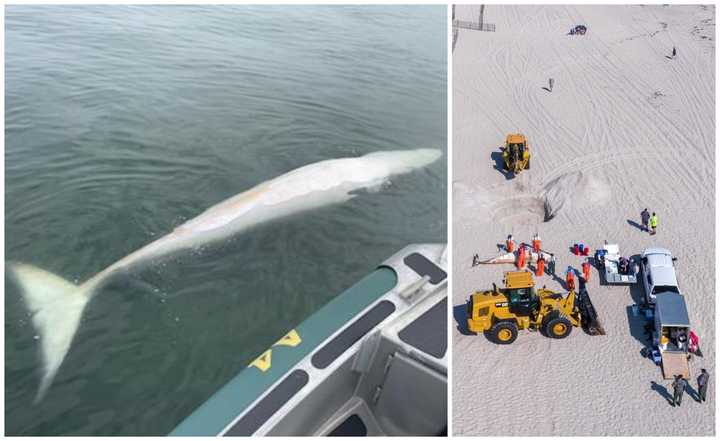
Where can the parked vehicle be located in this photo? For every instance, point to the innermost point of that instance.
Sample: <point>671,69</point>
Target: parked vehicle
<point>617,269</point>
<point>671,334</point>
<point>516,153</point>
<point>658,273</point>
<point>501,312</point>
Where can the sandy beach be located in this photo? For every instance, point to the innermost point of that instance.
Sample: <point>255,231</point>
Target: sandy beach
<point>625,128</point>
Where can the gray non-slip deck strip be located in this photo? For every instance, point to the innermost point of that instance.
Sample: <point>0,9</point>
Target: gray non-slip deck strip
<point>271,403</point>
<point>424,267</point>
<point>429,331</point>
<point>342,342</point>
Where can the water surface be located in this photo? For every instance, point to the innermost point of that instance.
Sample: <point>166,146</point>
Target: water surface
<point>122,122</point>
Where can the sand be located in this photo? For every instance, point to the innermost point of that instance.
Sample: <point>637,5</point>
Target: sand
<point>624,128</point>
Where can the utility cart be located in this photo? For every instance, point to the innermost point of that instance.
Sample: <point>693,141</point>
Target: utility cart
<point>617,269</point>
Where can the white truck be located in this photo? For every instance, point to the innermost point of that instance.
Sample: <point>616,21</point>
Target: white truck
<point>658,273</point>
<point>672,333</point>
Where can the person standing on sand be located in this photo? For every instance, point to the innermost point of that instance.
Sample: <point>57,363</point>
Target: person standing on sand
<point>510,244</point>
<point>678,390</point>
<point>540,266</point>
<point>551,265</point>
<point>674,52</point>
<point>570,279</point>
<point>703,380</point>
<point>586,270</point>
<point>645,218</point>
<point>551,83</point>
<point>653,223</point>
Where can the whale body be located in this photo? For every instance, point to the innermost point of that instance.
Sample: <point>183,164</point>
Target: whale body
<point>57,304</point>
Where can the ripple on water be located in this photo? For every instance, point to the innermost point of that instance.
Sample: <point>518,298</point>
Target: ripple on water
<point>124,121</point>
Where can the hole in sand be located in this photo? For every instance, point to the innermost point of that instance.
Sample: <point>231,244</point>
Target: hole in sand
<point>567,191</point>
<point>522,210</point>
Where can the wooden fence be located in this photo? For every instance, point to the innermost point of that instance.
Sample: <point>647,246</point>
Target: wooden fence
<point>488,27</point>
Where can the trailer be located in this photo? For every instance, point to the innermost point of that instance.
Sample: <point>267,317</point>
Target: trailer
<point>671,334</point>
<point>617,269</point>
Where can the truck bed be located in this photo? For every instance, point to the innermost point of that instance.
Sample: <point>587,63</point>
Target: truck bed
<point>675,363</point>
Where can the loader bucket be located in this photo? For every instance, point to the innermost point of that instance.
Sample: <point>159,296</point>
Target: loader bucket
<point>588,315</point>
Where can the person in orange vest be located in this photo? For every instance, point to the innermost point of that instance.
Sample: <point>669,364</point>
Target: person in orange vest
<point>521,257</point>
<point>510,244</point>
<point>586,271</point>
<point>536,243</point>
<point>570,279</point>
<point>540,267</point>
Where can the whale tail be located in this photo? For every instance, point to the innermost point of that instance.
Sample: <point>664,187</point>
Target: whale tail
<point>56,306</point>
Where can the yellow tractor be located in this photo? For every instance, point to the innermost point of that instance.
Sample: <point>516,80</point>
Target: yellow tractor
<point>500,313</point>
<point>516,153</point>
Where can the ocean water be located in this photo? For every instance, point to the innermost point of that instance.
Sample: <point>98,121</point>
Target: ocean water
<point>124,121</point>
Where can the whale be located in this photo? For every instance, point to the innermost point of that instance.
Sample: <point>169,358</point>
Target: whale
<point>56,304</point>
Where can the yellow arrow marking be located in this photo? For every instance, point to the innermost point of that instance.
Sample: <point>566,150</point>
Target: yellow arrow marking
<point>263,362</point>
<point>291,339</point>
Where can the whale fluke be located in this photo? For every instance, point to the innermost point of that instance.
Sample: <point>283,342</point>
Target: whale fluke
<point>56,306</point>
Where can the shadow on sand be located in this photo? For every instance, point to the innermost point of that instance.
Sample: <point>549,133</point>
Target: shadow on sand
<point>694,394</point>
<point>636,225</point>
<point>662,390</point>
<point>640,326</point>
<point>636,289</point>
<point>499,165</point>
<point>460,316</point>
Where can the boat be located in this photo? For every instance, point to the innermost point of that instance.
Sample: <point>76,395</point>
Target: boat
<point>372,362</point>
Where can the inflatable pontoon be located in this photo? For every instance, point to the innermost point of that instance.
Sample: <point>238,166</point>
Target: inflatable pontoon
<point>373,361</point>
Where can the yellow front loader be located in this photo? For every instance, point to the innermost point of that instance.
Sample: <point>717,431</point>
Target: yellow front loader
<point>500,313</point>
<point>516,153</point>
